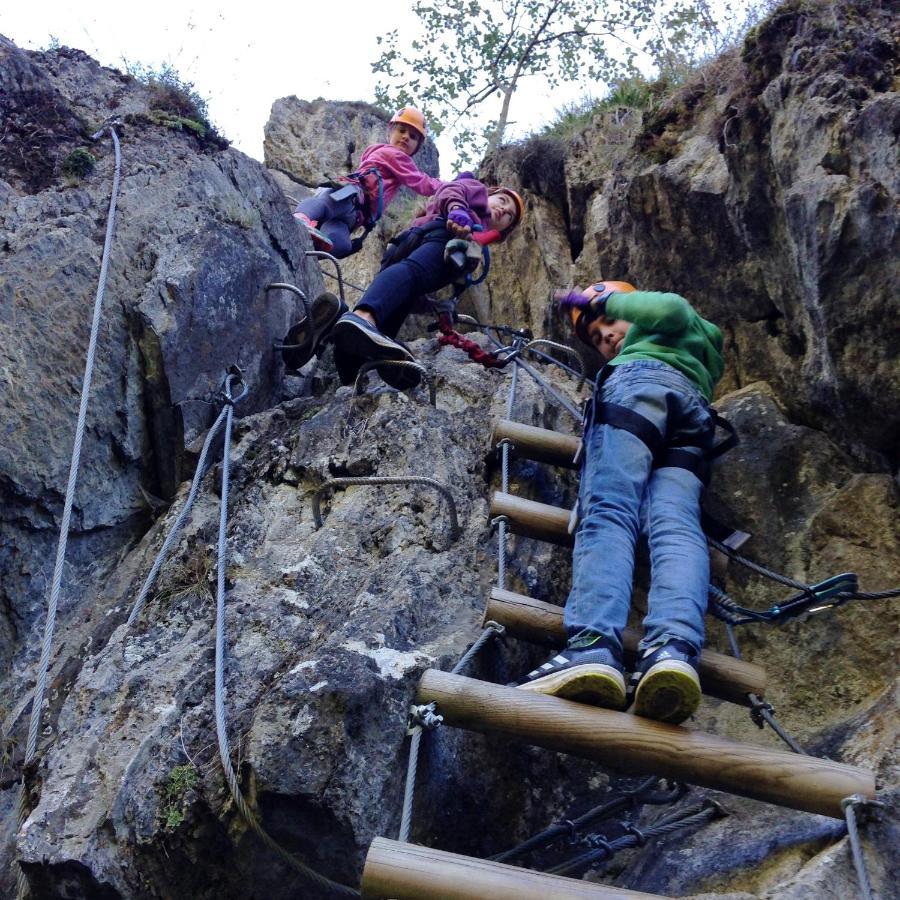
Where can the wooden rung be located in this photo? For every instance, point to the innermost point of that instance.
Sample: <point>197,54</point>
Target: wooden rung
<point>410,872</point>
<point>539,444</point>
<point>631,744</point>
<point>542,623</point>
<point>532,519</point>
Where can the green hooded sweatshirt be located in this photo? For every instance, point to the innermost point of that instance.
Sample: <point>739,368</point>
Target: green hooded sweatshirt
<point>666,328</point>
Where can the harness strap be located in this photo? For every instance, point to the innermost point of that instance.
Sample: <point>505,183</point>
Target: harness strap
<point>628,420</point>
<point>678,458</point>
<point>728,443</point>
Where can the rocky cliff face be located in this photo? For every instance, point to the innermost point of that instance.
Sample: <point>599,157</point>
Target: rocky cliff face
<point>328,629</point>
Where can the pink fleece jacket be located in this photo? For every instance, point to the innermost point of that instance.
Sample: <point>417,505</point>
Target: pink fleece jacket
<point>395,168</point>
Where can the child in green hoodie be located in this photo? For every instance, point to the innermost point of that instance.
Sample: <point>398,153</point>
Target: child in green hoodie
<point>644,470</point>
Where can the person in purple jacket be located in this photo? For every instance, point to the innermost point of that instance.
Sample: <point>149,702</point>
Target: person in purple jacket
<point>369,332</point>
<point>458,210</point>
<point>333,213</point>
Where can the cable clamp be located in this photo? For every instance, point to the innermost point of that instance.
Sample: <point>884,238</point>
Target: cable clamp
<point>111,122</point>
<point>859,800</point>
<point>497,521</point>
<point>423,716</point>
<point>495,626</point>
<point>505,442</point>
<point>572,836</point>
<point>595,842</point>
<point>757,708</point>
<point>636,832</point>
<point>721,812</point>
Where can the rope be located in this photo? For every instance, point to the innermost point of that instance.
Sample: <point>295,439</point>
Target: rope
<point>756,567</point>
<point>176,527</point>
<point>859,861</point>
<point>637,837</point>
<point>430,721</point>
<point>343,280</point>
<point>410,789</point>
<point>491,629</point>
<point>760,710</point>
<point>475,351</point>
<point>37,703</point>
<point>571,826</point>
<point>331,888</point>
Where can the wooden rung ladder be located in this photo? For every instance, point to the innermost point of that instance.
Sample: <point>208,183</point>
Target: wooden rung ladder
<point>410,872</point>
<point>533,620</point>
<point>632,744</point>
<point>533,519</point>
<point>538,444</point>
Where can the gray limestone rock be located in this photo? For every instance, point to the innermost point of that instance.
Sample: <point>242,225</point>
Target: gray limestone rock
<point>327,630</point>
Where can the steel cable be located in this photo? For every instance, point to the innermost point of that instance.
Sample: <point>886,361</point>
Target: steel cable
<point>179,521</point>
<point>37,702</point>
<point>698,815</point>
<point>331,888</point>
<point>849,805</point>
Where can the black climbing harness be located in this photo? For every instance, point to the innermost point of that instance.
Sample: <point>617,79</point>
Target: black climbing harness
<point>353,187</point>
<point>462,254</point>
<point>666,451</point>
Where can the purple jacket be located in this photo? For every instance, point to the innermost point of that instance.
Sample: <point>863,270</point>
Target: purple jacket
<point>470,193</point>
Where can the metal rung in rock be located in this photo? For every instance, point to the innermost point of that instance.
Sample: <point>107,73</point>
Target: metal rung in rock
<point>629,743</point>
<point>542,623</point>
<point>410,872</point>
<point>539,444</point>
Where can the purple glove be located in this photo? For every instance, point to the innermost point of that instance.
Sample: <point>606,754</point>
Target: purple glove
<point>461,217</point>
<point>571,298</point>
<point>464,175</point>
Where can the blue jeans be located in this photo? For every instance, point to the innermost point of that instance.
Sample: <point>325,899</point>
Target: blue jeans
<point>621,494</point>
<point>335,220</point>
<point>393,293</point>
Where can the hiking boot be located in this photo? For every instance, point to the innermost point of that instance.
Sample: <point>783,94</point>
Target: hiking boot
<point>305,338</point>
<point>591,675</point>
<point>665,683</point>
<point>320,240</point>
<point>355,339</point>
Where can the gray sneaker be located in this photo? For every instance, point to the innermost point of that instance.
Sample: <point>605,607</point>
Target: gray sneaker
<point>588,675</point>
<point>357,340</point>
<point>665,683</point>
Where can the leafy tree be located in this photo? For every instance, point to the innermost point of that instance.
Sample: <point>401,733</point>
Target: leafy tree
<point>473,50</point>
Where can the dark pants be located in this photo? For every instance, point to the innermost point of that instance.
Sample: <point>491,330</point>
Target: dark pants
<point>335,220</point>
<point>394,291</point>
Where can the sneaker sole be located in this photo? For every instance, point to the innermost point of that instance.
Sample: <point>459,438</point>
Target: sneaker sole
<point>593,683</point>
<point>353,338</point>
<point>668,692</point>
<point>307,333</point>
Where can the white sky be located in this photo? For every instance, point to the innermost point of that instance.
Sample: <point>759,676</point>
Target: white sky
<point>242,56</point>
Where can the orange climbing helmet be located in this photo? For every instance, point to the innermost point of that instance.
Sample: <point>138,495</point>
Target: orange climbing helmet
<point>413,117</point>
<point>582,316</point>
<point>518,202</point>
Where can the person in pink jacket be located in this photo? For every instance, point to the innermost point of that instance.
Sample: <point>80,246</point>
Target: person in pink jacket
<point>332,214</point>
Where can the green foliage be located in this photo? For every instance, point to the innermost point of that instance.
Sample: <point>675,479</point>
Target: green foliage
<point>181,780</point>
<point>175,103</point>
<point>474,52</point>
<point>630,93</point>
<point>170,92</point>
<point>178,123</point>
<point>79,163</point>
